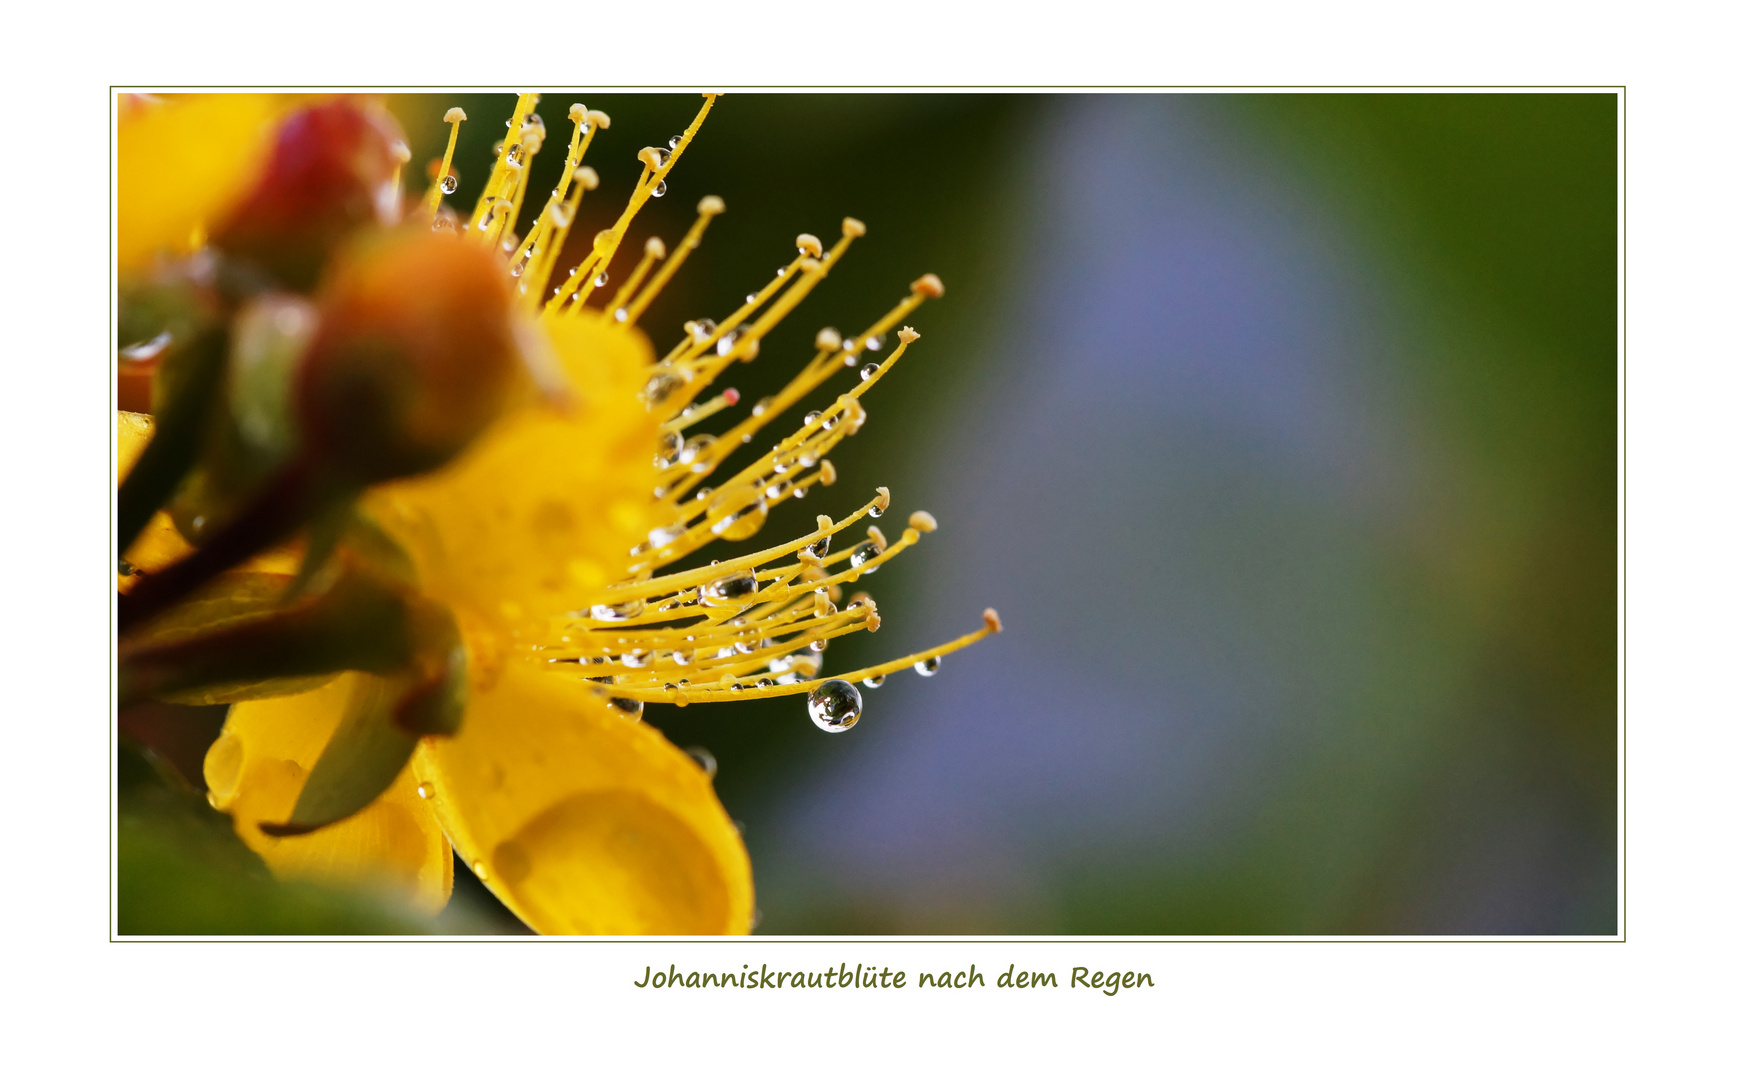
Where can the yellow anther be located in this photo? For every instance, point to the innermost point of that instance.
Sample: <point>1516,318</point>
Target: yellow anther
<point>883,499</point>
<point>922,521</point>
<point>602,239</point>
<point>827,338</point>
<point>929,285</point>
<point>401,153</point>
<point>653,157</point>
<point>587,177</point>
<point>907,335</point>
<point>993,622</point>
<point>852,227</point>
<point>711,205</point>
<point>577,113</point>
<point>655,247</point>
<point>810,245</point>
<point>874,622</point>
<point>454,115</point>
<point>823,521</point>
<point>876,535</point>
<point>598,119</point>
<point>810,266</point>
<point>829,475</point>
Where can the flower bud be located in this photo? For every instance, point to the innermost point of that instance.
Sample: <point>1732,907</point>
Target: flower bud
<point>333,170</point>
<point>414,357</point>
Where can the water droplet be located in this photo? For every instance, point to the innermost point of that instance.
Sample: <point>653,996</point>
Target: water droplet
<point>670,447</point>
<point>675,139</point>
<point>519,267</point>
<point>763,684</point>
<point>873,681</point>
<point>812,417</point>
<point>928,667</point>
<point>449,184</point>
<point>749,299</point>
<point>705,759</point>
<point>660,156</point>
<point>743,523</point>
<point>835,705</point>
<point>627,708</point>
<point>780,272</point>
<point>830,422</point>
<point>636,658</point>
<point>621,314</point>
<point>868,371</point>
<point>601,280</point>
<point>628,609</point>
<point>799,492</point>
<point>861,554</point>
<point>725,343</point>
<point>820,548</point>
<point>561,214</point>
<point>516,155</point>
<point>658,192</point>
<point>850,345</point>
<point>659,387</point>
<point>664,534</point>
<point>819,646</point>
<point>873,343</point>
<point>730,589</point>
<point>425,791</point>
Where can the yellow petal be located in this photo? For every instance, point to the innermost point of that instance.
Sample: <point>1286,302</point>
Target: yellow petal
<point>582,821</point>
<point>182,163</point>
<point>537,517</point>
<point>256,770</point>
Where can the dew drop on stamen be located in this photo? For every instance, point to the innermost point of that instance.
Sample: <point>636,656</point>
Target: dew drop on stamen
<point>670,447</point>
<point>928,666</point>
<point>868,371</point>
<point>425,791</point>
<point>835,705</point>
<point>730,589</point>
<point>601,280</point>
<point>659,191</point>
<point>863,553</point>
<point>873,343</point>
<point>449,184</point>
<point>761,406</point>
<point>873,681</point>
<point>820,548</point>
<point>627,708</point>
<point>659,387</point>
<point>628,609</point>
<point>812,417</point>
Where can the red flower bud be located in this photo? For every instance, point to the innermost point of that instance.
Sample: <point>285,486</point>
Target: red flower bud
<point>332,171</point>
<point>415,355</point>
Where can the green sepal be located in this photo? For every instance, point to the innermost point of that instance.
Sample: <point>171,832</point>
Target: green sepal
<point>193,375</point>
<point>365,756</point>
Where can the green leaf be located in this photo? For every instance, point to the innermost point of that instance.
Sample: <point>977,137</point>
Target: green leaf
<point>194,375</point>
<point>365,756</point>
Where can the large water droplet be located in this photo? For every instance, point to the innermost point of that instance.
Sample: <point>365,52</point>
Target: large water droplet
<point>659,387</point>
<point>812,417</point>
<point>636,658</point>
<point>928,667</point>
<point>516,155</point>
<point>730,589</point>
<point>702,329</point>
<point>873,681</point>
<point>425,791</point>
<point>864,552</point>
<point>628,609</point>
<point>835,705</point>
<point>664,534</point>
<point>658,192</point>
<point>670,446</point>
<point>820,548</point>
<point>868,371</point>
<point>601,280</point>
<point>449,184</point>
<point>705,759</point>
<point>725,344</point>
<point>739,524</point>
<point>627,708</point>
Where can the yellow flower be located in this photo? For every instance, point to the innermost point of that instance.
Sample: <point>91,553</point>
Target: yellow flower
<point>543,541</point>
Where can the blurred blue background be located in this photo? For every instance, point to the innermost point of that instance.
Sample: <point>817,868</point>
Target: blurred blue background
<point>1283,433</point>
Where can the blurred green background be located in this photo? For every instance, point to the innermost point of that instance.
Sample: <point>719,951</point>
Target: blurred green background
<point>1282,431</point>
